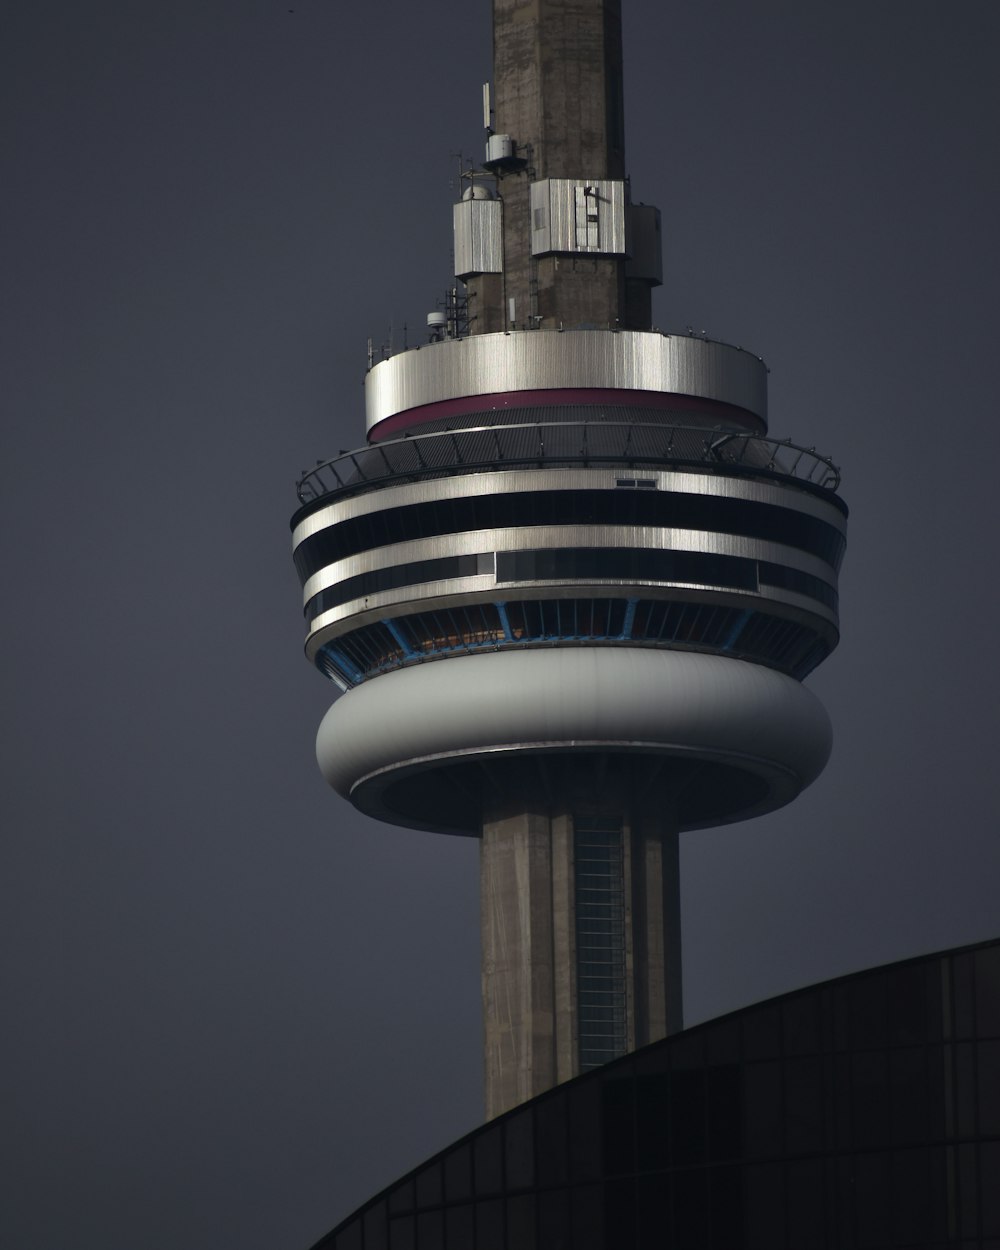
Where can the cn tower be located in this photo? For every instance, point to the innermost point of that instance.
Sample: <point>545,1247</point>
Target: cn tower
<point>570,587</point>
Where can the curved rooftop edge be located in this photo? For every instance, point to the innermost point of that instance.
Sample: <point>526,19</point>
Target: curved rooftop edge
<point>480,369</point>
<point>859,1112</point>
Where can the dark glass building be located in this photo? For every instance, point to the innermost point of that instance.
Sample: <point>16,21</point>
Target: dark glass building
<point>863,1112</point>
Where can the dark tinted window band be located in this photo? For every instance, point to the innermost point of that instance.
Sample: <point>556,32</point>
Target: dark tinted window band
<point>582,564</point>
<point>746,518</point>
<point>783,578</point>
<point>626,564</point>
<point>756,636</point>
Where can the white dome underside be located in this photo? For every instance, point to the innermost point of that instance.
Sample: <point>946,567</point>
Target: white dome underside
<point>391,745</point>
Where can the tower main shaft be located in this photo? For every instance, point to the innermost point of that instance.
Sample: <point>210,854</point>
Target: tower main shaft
<point>557,69</point>
<point>569,588</point>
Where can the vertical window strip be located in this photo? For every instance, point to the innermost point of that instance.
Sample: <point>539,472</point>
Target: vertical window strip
<point>599,873</point>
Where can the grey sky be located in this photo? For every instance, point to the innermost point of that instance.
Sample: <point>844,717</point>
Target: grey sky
<point>234,1008</point>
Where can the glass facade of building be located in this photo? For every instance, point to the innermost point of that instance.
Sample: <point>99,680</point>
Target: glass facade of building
<point>860,1113</point>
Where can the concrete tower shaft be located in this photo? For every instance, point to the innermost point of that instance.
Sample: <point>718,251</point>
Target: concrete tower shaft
<point>570,588</point>
<point>558,150</point>
<point>557,67</point>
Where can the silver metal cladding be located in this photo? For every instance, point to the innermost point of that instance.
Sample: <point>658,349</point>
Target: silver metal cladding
<point>764,546</point>
<point>518,481</point>
<point>478,237</point>
<point>572,215</point>
<point>539,360</point>
<point>560,537</point>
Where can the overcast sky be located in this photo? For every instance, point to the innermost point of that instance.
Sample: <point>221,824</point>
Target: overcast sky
<point>232,1007</point>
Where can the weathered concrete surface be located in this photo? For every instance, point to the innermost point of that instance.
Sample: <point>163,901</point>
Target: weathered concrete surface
<point>557,68</point>
<point>518,964</point>
<point>656,927</point>
<point>564,948</point>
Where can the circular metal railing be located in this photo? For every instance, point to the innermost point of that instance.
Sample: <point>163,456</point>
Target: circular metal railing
<point>564,443</point>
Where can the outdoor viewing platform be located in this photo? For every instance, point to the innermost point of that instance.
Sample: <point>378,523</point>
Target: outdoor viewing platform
<point>546,443</point>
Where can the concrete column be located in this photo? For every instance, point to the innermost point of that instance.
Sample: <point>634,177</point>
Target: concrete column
<point>518,972</point>
<point>634,946</point>
<point>656,928</point>
<point>564,947</point>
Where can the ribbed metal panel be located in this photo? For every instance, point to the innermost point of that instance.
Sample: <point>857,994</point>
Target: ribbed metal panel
<point>823,505</point>
<point>573,215</point>
<point>556,537</point>
<point>478,237</point>
<point>528,360</point>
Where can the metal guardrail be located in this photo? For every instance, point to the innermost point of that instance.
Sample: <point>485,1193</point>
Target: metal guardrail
<point>551,443</point>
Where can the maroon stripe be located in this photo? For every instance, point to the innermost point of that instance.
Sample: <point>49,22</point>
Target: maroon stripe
<point>489,405</point>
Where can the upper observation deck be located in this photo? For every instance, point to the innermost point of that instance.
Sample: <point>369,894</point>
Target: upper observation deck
<point>496,376</point>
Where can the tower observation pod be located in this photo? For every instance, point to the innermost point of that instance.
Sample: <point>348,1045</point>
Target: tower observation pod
<point>570,587</point>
